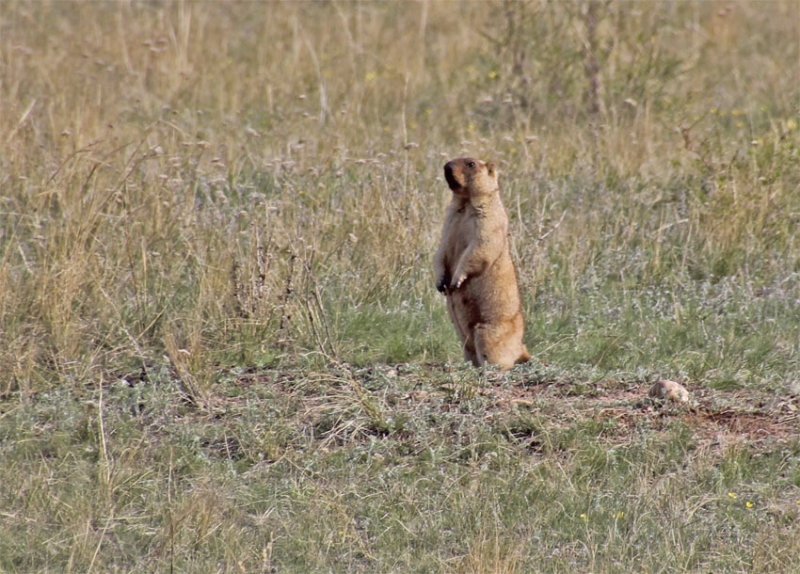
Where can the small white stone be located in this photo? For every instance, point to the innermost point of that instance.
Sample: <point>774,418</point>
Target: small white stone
<point>669,390</point>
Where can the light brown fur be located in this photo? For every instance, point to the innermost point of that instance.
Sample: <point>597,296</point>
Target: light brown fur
<point>474,269</point>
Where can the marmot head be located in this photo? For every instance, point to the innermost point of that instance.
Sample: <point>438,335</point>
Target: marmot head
<point>468,176</point>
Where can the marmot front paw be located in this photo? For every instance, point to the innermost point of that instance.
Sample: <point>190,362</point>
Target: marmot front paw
<point>456,283</point>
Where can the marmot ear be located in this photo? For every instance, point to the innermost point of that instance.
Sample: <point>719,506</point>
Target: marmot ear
<point>491,168</point>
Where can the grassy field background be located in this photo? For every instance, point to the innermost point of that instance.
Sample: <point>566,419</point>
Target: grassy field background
<point>221,348</point>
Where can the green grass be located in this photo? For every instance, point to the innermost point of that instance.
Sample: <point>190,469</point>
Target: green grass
<point>221,348</point>
<point>298,470</point>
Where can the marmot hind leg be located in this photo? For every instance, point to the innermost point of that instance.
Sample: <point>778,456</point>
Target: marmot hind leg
<point>464,333</point>
<point>470,354</point>
<point>500,344</point>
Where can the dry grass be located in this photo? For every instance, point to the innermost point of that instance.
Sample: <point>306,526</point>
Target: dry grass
<point>191,190</point>
<point>294,470</point>
<point>216,176</point>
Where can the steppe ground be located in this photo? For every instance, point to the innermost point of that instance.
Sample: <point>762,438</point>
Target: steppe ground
<point>221,348</point>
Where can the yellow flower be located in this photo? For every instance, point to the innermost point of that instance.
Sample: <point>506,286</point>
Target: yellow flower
<point>586,518</point>
<point>370,76</point>
<point>620,514</point>
<point>733,494</point>
<point>748,504</point>
<point>492,75</point>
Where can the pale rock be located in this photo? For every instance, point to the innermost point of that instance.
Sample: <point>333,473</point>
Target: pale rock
<point>669,390</point>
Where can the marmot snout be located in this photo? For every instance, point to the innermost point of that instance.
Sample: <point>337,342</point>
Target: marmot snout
<point>450,176</point>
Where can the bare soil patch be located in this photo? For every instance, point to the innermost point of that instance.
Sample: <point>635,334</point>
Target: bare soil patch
<point>714,415</point>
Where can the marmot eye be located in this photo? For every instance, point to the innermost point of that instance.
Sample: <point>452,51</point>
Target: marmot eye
<point>471,164</point>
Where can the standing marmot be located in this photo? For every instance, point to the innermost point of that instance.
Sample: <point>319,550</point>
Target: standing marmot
<point>474,269</point>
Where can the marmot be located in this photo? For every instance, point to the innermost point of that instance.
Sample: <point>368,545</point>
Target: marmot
<point>474,269</point>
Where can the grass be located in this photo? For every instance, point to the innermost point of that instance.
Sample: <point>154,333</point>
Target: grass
<point>433,470</point>
<point>220,346</point>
